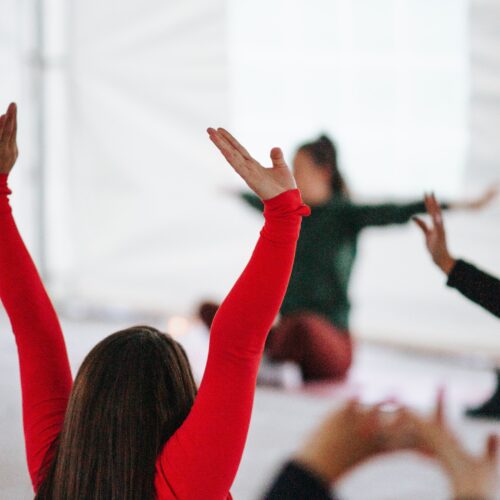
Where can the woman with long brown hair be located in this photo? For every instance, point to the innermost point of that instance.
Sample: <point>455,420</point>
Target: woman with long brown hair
<point>133,426</point>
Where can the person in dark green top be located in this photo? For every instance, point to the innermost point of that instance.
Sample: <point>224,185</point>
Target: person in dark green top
<point>314,329</point>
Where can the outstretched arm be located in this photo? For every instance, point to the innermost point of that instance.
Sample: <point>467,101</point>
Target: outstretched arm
<point>384,214</point>
<point>476,285</point>
<point>252,200</point>
<point>45,373</point>
<point>396,213</point>
<point>209,445</point>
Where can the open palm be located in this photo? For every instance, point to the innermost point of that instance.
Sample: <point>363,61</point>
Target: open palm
<point>265,182</point>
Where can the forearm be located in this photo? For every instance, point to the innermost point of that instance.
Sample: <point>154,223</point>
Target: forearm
<point>221,413</point>
<point>251,306</point>
<point>45,372</point>
<point>476,285</point>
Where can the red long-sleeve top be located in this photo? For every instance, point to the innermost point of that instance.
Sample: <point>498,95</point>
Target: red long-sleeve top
<point>201,459</point>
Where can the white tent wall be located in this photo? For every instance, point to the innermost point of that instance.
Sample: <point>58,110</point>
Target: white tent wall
<point>135,217</point>
<point>389,80</point>
<point>20,78</point>
<point>146,227</point>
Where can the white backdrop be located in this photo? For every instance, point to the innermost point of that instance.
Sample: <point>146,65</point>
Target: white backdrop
<point>135,214</point>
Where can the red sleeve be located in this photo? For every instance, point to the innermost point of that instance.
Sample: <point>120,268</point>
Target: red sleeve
<point>45,372</point>
<point>201,459</point>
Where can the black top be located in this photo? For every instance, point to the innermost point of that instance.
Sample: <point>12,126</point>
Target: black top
<point>294,482</point>
<point>476,285</point>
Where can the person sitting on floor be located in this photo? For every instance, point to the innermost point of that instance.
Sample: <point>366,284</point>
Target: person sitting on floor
<point>313,330</point>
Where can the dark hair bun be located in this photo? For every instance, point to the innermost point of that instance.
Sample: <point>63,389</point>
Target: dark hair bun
<point>325,140</point>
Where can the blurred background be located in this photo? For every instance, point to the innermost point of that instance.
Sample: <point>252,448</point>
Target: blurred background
<point>123,200</point>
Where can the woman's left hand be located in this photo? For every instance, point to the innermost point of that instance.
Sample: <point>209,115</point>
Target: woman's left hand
<point>8,139</point>
<point>481,201</point>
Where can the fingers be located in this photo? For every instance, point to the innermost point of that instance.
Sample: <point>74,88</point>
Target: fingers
<point>492,448</point>
<point>10,127</point>
<point>277,158</point>
<point>230,153</point>
<point>2,126</point>
<point>422,225</point>
<point>439,410</point>
<point>436,211</point>
<point>234,143</point>
<point>13,134</point>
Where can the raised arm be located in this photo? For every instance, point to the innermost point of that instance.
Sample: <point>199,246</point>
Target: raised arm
<point>476,285</point>
<point>45,373</point>
<point>209,445</point>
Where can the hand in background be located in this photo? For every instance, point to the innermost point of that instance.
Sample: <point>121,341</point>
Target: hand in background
<point>481,202</point>
<point>435,235</point>
<point>471,477</point>
<point>8,142</point>
<point>346,438</point>
<point>265,182</point>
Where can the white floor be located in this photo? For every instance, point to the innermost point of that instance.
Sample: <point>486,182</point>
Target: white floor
<point>281,419</point>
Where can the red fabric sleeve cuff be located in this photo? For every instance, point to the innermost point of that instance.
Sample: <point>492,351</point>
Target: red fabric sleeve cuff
<point>287,203</point>
<point>4,188</point>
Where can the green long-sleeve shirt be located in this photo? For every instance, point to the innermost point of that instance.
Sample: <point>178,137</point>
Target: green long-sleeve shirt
<point>326,251</point>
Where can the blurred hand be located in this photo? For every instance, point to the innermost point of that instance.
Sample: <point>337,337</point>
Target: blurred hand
<point>473,477</point>
<point>346,438</point>
<point>435,235</point>
<point>264,182</point>
<point>8,142</point>
<point>481,202</point>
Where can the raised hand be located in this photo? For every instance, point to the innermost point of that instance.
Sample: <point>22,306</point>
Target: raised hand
<point>8,139</point>
<point>482,201</point>
<point>435,235</point>
<point>266,183</point>
<point>470,476</point>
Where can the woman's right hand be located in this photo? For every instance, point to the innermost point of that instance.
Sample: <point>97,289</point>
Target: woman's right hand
<point>8,143</point>
<point>266,183</point>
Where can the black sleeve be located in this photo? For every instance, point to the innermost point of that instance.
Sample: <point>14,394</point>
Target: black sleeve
<point>476,285</point>
<point>253,200</point>
<point>294,482</point>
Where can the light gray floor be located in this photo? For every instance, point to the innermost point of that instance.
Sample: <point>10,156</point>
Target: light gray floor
<point>281,419</point>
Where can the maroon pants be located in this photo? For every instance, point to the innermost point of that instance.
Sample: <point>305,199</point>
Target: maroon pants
<point>320,349</point>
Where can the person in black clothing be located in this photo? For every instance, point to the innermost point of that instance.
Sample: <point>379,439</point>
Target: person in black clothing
<point>354,434</point>
<point>476,285</point>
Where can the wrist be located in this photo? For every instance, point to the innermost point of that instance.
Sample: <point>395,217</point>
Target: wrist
<point>446,263</point>
<point>325,468</point>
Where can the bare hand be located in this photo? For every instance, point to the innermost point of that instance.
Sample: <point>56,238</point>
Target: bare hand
<point>483,201</point>
<point>435,235</point>
<point>346,438</point>
<point>471,476</point>
<point>8,139</point>
<point>265,182</point>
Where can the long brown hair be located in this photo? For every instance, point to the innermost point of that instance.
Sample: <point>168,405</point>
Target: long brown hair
<point>132,392</point>
<point>324,154</point>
